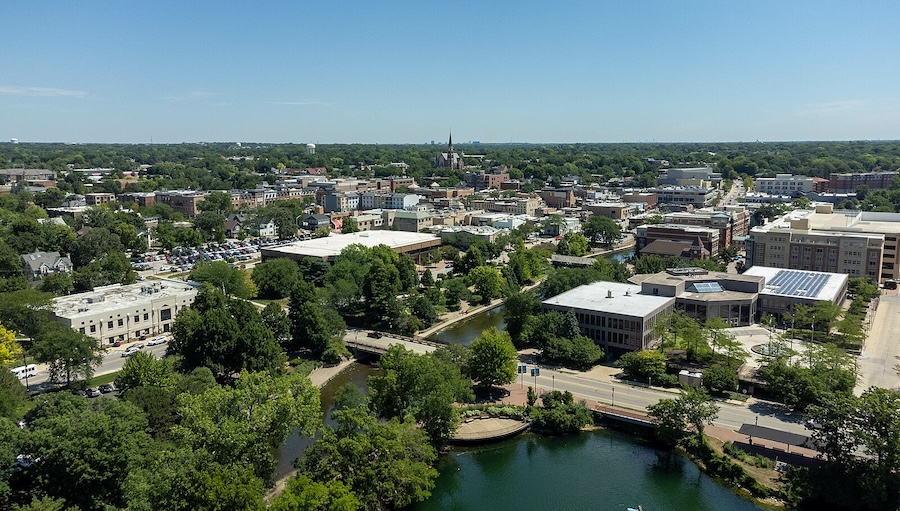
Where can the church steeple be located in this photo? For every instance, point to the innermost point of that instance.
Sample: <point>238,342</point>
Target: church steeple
<point>450,144</point>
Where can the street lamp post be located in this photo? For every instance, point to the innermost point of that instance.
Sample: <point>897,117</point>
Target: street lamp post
<point>554,382</point>
<point>613,403</point>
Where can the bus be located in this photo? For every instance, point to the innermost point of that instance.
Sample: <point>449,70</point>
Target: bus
<point>23,372</point>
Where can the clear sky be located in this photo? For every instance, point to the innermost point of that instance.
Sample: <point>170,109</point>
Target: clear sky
<point>408,72</point>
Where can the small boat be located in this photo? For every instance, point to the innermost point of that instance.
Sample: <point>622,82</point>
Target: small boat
<point>639,508</point>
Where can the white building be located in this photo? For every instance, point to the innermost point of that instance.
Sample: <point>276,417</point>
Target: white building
<point>784,184</point>
<point>119,313</point>
<point>616,316</point>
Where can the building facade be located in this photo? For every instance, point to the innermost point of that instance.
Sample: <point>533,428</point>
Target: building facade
<point>784,184</point>
<point>122,312</point>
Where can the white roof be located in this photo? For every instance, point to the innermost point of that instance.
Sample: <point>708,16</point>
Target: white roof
<point>626,299</point>
<point>333,245</point>
<point>117,296</point>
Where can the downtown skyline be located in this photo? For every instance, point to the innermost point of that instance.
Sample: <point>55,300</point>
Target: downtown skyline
<point>407,72</point>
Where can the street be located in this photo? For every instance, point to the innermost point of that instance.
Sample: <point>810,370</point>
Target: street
<point>112,361</point>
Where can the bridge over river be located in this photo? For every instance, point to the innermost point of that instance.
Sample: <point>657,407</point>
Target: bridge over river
<point>366,341</point>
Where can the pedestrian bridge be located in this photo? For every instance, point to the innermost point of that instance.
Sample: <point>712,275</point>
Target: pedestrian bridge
<point>360,341</point>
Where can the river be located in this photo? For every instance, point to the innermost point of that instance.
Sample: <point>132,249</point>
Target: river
<point>601,470</point>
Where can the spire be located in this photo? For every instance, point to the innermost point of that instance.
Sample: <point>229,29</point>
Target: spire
<point>450,145</point>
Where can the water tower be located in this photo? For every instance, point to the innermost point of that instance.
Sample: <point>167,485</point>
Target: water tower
<point>310,148</point>
<point>14,141</point>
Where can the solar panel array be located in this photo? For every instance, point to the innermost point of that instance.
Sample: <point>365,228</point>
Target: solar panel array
<point>707,287</point>
<point>798,283</point>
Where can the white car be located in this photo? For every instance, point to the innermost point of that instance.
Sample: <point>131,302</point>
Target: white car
<point>157,340</point>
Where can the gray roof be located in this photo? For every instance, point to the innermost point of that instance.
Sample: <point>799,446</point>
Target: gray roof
<point>626,299</point>
<point>34,260</point>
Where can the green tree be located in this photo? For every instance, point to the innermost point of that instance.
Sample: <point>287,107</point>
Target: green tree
<point>487,282</point>
<point>94,245</point>
<point>669,419</point>
<point>59,284</point>
<point>719,378</point>
<point>277,321</point>
<point>68,353</point>
<point>184,479</point>
<point>303,493</point>
<point>643,364</point>
<point>276,277</point>
<point>349,226</point>
<point>573,244</point>
<point>427,279</point>
<point>493,358</point>
<point>216,202</point>
<point>518,307</point>
<point>225,335</point>
<point>600,230</point>
<point>143,369</point>
<point>560,413</point>
<point>422,387</point>
<point>386,464</point>
<point>245,425</point>
<point>221,275</point>
<point>693,407</point>
<point>87,448</point>
<point>12,397</point>
<point>211,225</point>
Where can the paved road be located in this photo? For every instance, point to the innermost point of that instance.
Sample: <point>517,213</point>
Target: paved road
<point>636,397</point>
<point>627,395</point>
<point>112,362</point>
<point>882,349</point>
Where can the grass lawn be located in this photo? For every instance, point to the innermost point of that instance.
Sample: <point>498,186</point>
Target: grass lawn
<point>106,378</point>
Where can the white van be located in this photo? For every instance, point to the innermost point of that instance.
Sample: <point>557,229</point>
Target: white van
<point>22,372</point>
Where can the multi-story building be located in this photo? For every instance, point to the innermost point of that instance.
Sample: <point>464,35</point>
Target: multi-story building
<point>142,199</point>
<point>613,210</point>
<point>118,313</point>
<point>842,183</point>
<point>784,184</point>
<point>481,180</point>
<point>688,176</point>
<point>648,199</point>
<point>730,221</point>
<point>513,206</point>
<point>706,237</point>
<point>697,196</point>
<point>411,221</point>
<point>616,316</point>
<point>340,202</point>
<point>368,222</point>
<point>558,197</point>
<point>827,241</point>
<point>95,199</point>
<point>704,295</point>
<point>185,202</point>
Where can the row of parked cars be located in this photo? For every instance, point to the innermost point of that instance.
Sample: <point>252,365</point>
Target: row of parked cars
<point>106,388</point>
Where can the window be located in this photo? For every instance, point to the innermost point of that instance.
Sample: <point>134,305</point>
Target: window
<point>137,319</point>
<point>165,314</point>
<point>81,329</point>
<point>93,328</point>
<point>109,324</point>
<point>146,316</point>
<point>121,322</point>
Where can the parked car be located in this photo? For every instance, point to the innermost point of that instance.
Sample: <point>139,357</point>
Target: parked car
<point>80,393</point>
<point>107,388</point>
<point>375,335</point>
<point>157,340</point>
<point>94,392</point>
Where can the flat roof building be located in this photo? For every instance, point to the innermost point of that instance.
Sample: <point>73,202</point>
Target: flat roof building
<point>121,312</point>
<point>786,288</point>
<point>329,247</point>
<point>615,315</point>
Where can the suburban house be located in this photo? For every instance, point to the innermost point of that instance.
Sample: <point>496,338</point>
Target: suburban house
<point>38,264</point>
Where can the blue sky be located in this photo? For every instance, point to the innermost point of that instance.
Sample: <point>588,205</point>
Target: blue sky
<point>408,72</point>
